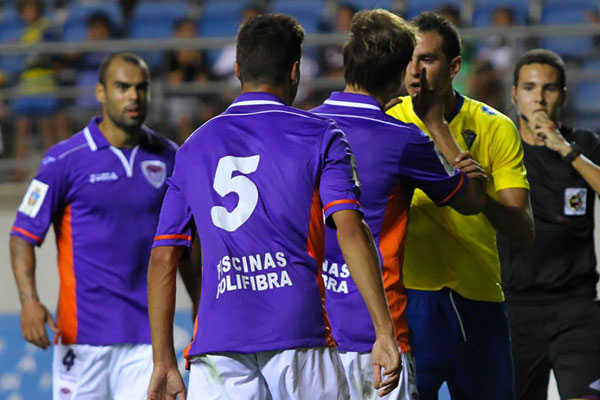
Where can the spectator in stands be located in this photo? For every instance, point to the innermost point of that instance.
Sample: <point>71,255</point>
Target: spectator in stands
<point>550,286</point>
<point>331,58</point>
<point>186,66</point>
<point>36,82</point>
<point>499,51</point>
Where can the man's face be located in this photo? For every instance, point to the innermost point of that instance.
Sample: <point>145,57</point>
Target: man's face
<point>125,94</point>
<point>428,54</point>
<point>539,90</point>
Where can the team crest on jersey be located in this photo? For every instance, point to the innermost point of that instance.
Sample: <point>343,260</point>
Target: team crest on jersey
<point>575,201</point>
<point>469,137</point>
<point>155,172</point>
<point>34,198</point>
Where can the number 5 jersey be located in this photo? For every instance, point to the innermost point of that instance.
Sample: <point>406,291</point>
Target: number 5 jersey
<point>254,182</point>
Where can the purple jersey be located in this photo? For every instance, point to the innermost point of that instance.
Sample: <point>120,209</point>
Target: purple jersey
<point>393,159</point>
<point>253,182</point>
<point>104,203</point>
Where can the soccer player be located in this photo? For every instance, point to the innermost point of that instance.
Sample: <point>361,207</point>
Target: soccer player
<point>393,158</point>
<point>456,308</point>
<point>254,181</point>
<point>102,189</point>
<point>551,286</point>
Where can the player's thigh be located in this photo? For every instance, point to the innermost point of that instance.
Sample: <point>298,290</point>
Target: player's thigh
<point>80,372</point>
<point>130,371</point>
<point>575,350</point>
<point>359,373</point>
<point>531,350</point>
<point>303,373</point>
<point>230,376</point>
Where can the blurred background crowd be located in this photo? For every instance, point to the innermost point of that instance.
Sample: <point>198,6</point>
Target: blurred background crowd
<point>50,51</point>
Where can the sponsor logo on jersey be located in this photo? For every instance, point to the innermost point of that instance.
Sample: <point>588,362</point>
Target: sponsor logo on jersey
<point>155,172</point>
<point>34,198</point>
<point>103,177</point>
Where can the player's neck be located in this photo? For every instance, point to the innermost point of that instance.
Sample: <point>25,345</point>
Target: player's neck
<point>280,91</point>
<point>116,136</point>
<point>381,99</point>
<point>450,105</point>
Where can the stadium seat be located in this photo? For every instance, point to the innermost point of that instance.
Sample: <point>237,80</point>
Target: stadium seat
<point>75,26</point>
<point>415,7</point>
<point>586,99</point>
<point>563,14</point>
<point>156,20</point>
<point>308,13</point>
<point>11,25</point>
<point>483,10</point>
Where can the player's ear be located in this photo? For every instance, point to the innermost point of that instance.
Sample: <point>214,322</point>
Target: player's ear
<point>100,92</point>
<point>455,64</point>
<point>295,74</point>
<point>236,68</point>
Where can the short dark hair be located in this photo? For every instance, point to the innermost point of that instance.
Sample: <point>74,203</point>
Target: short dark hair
<point>430,21</point>
<point>125,56</point>
<point>541,56</point>
<point>380,46</point>
<point>99,17</point>
<point>268,45</point>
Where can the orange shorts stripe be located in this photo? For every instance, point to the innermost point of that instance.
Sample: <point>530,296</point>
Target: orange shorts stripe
<point>28,234</point>
<point>344,201</point>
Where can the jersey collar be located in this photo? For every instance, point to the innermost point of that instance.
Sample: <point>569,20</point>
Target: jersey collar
<point>96,139</point>
<point>355,100</point>
<point>256,99</point>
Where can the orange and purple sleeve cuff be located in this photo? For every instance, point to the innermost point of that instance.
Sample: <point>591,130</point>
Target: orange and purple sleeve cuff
<point>25,234</point>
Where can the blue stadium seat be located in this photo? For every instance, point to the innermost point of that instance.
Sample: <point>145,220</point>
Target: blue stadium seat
<point>308,12</point>
<point>568,3</point>
<point>226,25</point>
<point>370,4</point>
<point>586,99</point>
<point>11,25</point>
<point>219,8</point>
<point>575,47</point>
<point>156,20</point>
<point>75,27</point>
<point>482,13</point>
<point>417,6</point>
<point>562,14</point>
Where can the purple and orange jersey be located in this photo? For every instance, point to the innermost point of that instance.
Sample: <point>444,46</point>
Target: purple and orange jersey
<point>254,182</point>
<point>393,159</point>
<point>104,203</point>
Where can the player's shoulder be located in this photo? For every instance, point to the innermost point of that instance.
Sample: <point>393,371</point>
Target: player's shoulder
<point>402,108</point>
<point>71,147</point>
<point>485,115</point>
<point>157,143</point>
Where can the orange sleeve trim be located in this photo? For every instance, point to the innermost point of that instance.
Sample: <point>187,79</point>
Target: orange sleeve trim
<point>335,203</point>
<point>165,237</point>
<point>451,195</point>
<point>28,234</point>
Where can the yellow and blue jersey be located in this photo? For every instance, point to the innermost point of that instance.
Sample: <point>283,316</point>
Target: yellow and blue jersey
<point>443,247</point>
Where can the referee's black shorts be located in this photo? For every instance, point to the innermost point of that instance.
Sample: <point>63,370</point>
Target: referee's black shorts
<point>562,335</point>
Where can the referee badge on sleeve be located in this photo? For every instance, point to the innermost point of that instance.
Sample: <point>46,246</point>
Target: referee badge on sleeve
<point>575,201</point>
<point>34,198</point>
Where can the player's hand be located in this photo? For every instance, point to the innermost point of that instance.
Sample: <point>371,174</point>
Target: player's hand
<point>166,384</point>
<point>545,129</point>
<point>385,356</point>
<point>467,165</point>
<point>428,103</point>
<point>34,316</point>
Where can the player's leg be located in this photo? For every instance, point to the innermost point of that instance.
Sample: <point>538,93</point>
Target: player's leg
<point>483,367</point>
<point>359,373</point>
<point>531,350</point>
<point>230,376</point>
<point>435,332</point>
<point>130,371</point>
<point>304,373</point>
<point>575,348</point>
<point>80,372</point>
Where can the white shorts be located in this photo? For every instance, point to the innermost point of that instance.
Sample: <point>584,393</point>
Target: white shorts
<point>118,372</point>
<point>359,373</point>
<point>307,373</point>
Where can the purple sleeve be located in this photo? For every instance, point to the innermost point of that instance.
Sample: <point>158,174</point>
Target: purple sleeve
<point>339,186</point>
<point>425,168</point>
<point>175,226</point>
<point>43,199</point>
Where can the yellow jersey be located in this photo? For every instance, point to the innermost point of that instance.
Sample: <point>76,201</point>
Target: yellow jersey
<point>445,248</point>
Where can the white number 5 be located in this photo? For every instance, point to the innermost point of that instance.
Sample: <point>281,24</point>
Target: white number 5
<point>246,190</point>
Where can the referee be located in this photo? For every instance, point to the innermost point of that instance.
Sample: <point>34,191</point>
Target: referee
<point>550,287</point>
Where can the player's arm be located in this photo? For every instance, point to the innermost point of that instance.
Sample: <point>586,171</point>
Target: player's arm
<point>356,242</point>
<point>34,315</point>
<point>162,274</point>
<point>512,215</point>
